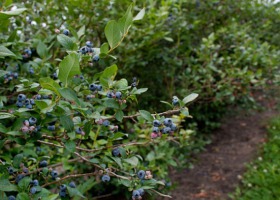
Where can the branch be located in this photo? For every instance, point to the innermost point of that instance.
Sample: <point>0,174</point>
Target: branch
<point>160,194</point>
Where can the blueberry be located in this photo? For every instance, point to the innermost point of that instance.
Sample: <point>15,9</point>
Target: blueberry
<point>29,106</point>
<point>55,76</point>
<point>28,51</point>
<point>27,101</point>
<point>93,87</point>
<point>72,184</point>
<point>155,129</point>
<point>134,84</point>
<point>25,170</point>
<point>62,193</point>
<point>45,97</point>
<point>95,58</point>
<point>15,75</point>
<point>136,194</point>
<point>54,174</point>
<point>84,50</point>
<point>19,177</point>
<point>10,78</point>
<point>51,127</point>
<point>110,94</point>
<point>38,97</point>
<point>167,122</point>
<point>21,97</point>
<point>63,187</point>
<point>106,123</point>
<point>99,87</point>
<point>116,152</point>
<point>32,120</point>
<point>32,102</point>
<point>31,70</point>
<point>166,130</point>
<point>175,100</point>
<point>11,170</point>
<point>33,190</point>
<point>38,149</point>
<point>66,32</point>
<point>105,178</point>
<point>11,197</point>
<point>173,127</point>
<point>141,174</point>
<point>43,163</point>
<point>35,182</point>
<point>82,77</point>
<point>89,44</point>
<point>19,104</point>
<point>118,95</point>
<point>156,123</point>
<point>89,97</point>
<point>25,129</point>
<point>141,191</point>
<point>78,130</point>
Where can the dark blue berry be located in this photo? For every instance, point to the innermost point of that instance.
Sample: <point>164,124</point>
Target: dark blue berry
<point>38,149</point>
<point>78,130</point>
<point>175,101</point>
<point>35,182</point>
<point>25,170</point>
<point>55,76</point>
<point>155,129</point>
<point>11,170</point>
<point>105,178</point>
<point>93,87</point>
<point>99,87</point>
<point>19,104</point>
<point>136,194</point>
<point>156,123</point>
<point>32,102</point>
<point>89,44</point>
<point>29,106</point>
<point>54,174</point>
<point>21,97</point>
<point>11,197</point>
<point>106,123</point>
<point>43,163</point>
<point>141,191</point>
<point>31,70</point>
<point>118,95</point>
<point>62,193</point>
<point>166,130</point>
<point>38,97</point>
<point>33,190</point>
<point>28,51</point>
<point>116,152</point>
<point>89,97</point>
<point>15,75</point>
<point>72,184</point>
<point>51,127</point>
<point>167,122</point>
<point>66,32</point>
<point>110,94</point>
<point>173,127</point>
<point>141,174</point>
<point>32,120</point>
<point>95,58</point>
<point>19,177</point>
<point>63,187</point>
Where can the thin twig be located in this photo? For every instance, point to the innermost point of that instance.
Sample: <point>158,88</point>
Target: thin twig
<point>160,194</point>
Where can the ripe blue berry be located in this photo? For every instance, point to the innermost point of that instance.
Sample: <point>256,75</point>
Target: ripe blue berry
<point>110,94</point>
<point>35,182</point>
<point>156,123</point>
<point>167,122</point>
<point>25,170</point>
<point>141,174</point>
<point>95,58</point>
<point>33,190</point>
<point>21,97</point>
<point>156,129</point>
<point>89,44</point>
<point>32,120</point>
<point>11,170</point>
<point>38,149</point>
<point>54,174</point>
<point>15,75</point>
<point>19,104</point>
<point>38,97</point>
<point>118,95</point>
<point>11,197</point>
<point>106,123</point>
<point>173,127</point>
<point>89,97</point>
<point>99,87</point>
<point>93,87</point>
<point>105,178</point>
<point>63,187</point>
<point>141,191</point>
<point>78,130</point>
<point>175,100</point>
<point>19,177</point>
<point>72,184</point>
<point>66,32</point>
<point>166,130</point>
<point>51,127</point>
<point>55,76</point>
<point>136,194</point>
<point>43,163</point>
<point>31,70</point>
<point>62,193</point>
<point>84,50</point>
<point>116,152</point>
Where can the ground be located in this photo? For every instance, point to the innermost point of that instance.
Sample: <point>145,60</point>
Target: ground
<point>219,169</point>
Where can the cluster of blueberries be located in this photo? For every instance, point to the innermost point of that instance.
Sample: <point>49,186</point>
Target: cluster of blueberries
<point>29,126</point>
<point>111,94</point>
<point>137,194</point>
<point>63,189</point>
<point>87,49</point>
<point>168,128</point>
<point>10,76</point>
<point>22,101</point>
<point>134,82</point>
<point>27,54</point>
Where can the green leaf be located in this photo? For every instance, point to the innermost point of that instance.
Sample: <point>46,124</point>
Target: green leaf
<point>67,42</point>
<point>121,84</point>
<point>167,103</point>
<point>126,21</point>
<point>108,75</point>
<point>146,115</point>
<point>17,160</point>
<point>24,183</point>
<point>113,33</point>
<point>23,196</point>
<point>67,123</point>
<point>190,98</point>
<point>42,104</point>
<point>50,84</point>
<point>5,52</point>
<point>118,161</point>
<point>104,48</point>
<point>140,15</point>
<point>69,94</point>
<point>119,115</point>
<point>111,103</point>
<point>74,192</point>
<point>133,161</point>
<point>4,115</point>
<point>185,111</point>
<point>139,91</point>
<point>6,186</point>
<point>70,146</point>
<point>42,50</point>
<point>8,14</point>
<point>125,182</point>
<point>81,31</point>
<point>68,68</point>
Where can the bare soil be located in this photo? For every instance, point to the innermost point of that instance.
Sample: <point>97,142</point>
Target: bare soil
<point>219,169</point>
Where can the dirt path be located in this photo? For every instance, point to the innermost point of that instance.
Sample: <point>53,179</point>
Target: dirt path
<point>220,167</point>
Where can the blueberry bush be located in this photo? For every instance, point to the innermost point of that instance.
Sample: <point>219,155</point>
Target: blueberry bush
<point>68,132</point>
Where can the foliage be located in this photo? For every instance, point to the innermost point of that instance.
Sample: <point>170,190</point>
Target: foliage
<point>59,122</point>
<point>261,181</point>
